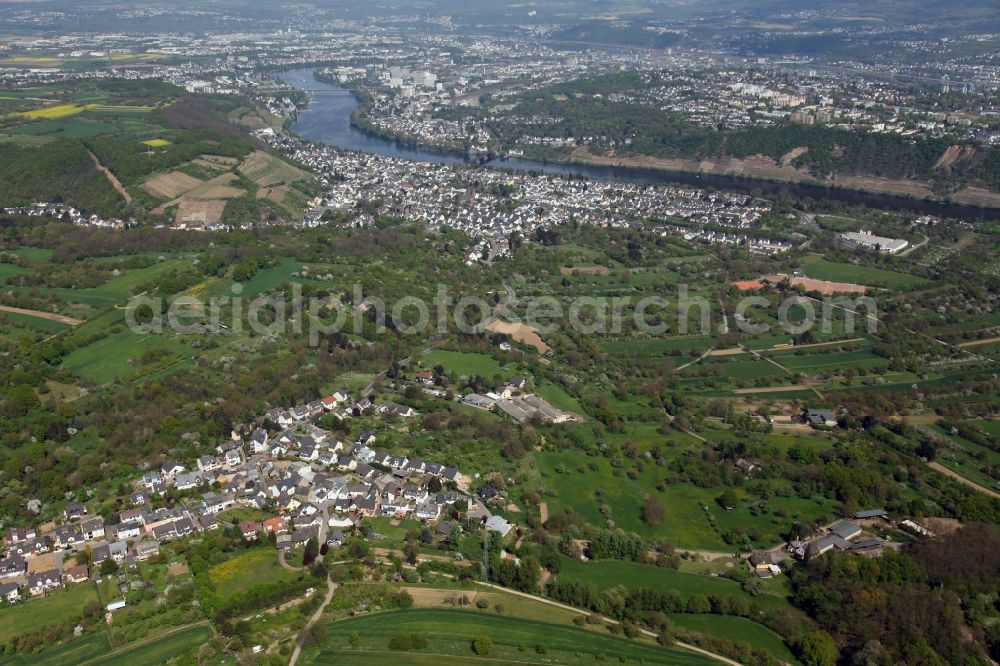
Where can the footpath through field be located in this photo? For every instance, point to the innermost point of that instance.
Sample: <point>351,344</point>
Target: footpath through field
<point>608,620</point>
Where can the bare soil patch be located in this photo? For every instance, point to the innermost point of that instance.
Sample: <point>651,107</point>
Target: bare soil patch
<point>195,213</point>
<point>170,185</point>
<point>793,155</point>
<point>115,183</point>
<point>51,316</point>
<point>585,270</point>
<point>521,333</point>
<point>976,343</point>
<point>424,597</point>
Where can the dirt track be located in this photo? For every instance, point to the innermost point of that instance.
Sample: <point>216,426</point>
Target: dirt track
<point>51,316</point>
<point>976,343</point>
<point>938,467</point>
<point>115,183</point>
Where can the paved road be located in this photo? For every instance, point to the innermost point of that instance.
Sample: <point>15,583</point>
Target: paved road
<point>331,587</point>
<point>281,560</point>
<point>915,247</point>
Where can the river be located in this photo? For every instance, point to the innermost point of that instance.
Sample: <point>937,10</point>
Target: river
<point>327,119</point>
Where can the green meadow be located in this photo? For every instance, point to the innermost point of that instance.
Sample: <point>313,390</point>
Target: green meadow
<point>450,633</point>
<point>60,607</point>
<point>819,268</point>
<point>738,629</point>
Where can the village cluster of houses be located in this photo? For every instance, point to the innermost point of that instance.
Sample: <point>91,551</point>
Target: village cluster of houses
<point>495,204</point>
<point>63,212</point>
<point>316,485</point>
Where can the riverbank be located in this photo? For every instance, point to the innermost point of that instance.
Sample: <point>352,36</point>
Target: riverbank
<point>328,119</point>
<point>765,168</point>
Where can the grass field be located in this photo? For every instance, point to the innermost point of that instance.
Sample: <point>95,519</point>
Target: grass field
<point>59,607</point>
<point>9,271</point>
<point>450,633</point>
<point>116,356</point>
<point>736,629</point>
<point>74,652</point>
<point>257,566</point>
<point>40,323</point>
<point>465,363</point>
<point>269,278</point>
<point>157,651</point>
<point>819,268</point>
<point>577,480</point>
<point>657,346</point>
<point>606,574</point>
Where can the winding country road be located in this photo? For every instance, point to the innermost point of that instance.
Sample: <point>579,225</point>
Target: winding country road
<point>331,587</point>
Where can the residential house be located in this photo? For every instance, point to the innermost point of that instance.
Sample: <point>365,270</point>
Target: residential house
<point>765,563</point>
<point>188,481</point>
<point>74,511</point>
<point>10,592</point>
<point>67,536</point>
<point>12,566</point>
<point>77,574</point>
<point>145,550</point>
<point>275,525</point>
<point>44,581</point>
<point>92,528</point>
<point>150,479</point>
<point>234,458</point>
<point>209,463</point>
<point>428,511</point>
<point>127,530</point>
<point>215,504</point>
<point>498,524</point>
<point>488,493</point>
<point>249,529</point>
<point>258,441</point>
<point>20,535</point>
<point>301,536</point>
<point>517,382</point>
<point>171,469</point>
